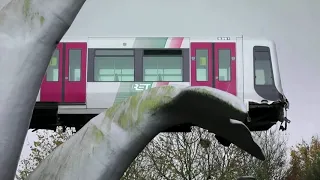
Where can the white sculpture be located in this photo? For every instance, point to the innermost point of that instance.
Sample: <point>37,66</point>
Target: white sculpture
<point>105,147</point>
<point>29,31</point>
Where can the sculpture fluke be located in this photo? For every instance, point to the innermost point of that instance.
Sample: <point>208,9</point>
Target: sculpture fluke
<point>105,147</point>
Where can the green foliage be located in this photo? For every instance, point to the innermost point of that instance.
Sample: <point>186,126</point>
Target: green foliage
<point>46,143</point>
<point>305,160</point>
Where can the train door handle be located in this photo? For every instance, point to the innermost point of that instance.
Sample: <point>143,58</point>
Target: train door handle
<point>217,77</point>
<point>66,78</point>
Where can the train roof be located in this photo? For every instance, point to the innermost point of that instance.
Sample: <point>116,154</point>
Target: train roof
<point>192,38</point>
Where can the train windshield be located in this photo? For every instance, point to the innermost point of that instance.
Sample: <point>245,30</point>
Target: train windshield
<point>262,66</point>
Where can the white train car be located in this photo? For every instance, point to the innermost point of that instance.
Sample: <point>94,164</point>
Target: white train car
<point>87,75</point>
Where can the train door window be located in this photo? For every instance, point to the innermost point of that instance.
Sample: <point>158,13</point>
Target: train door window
<point>114,65</point>
<point>53,68</point>
<point>162,65</point>
<point>74,64</point>
<point>224,64</point>
<point>262,66</point>
<point>202,64</point>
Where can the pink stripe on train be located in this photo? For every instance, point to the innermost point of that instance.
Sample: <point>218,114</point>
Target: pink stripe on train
<point>176,42</point>
<point>162,84</point>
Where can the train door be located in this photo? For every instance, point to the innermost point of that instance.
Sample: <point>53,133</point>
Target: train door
<point>225,67</point>
<point>65,79</point>
<point>213,65</point>
<point>201,64</point>
<point>75,73</point>
<point>51,87</point>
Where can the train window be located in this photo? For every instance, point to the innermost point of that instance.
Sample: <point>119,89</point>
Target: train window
<point>162,65</point>
<point>53,68</point>
<point>114,65</point>
<point>202,64</point>
<point>224,64</point>
<point>262,66</point>
<point>114,69</point>
<point>74,64</point>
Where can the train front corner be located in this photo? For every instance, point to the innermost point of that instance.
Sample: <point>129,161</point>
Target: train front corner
<point>263,115</point>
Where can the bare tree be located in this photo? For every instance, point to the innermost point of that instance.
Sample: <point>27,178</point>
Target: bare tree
<point>198,155</point>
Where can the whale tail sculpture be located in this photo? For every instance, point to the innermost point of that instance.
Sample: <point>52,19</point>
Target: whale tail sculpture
<point>105,147</point>
<point>29,30</point>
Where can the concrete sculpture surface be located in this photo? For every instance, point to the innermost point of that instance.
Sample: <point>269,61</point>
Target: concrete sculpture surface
<point>105,147</point>
<point>29,31</point>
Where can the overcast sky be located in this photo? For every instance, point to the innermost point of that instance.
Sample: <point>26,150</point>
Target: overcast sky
<point>293,24</point>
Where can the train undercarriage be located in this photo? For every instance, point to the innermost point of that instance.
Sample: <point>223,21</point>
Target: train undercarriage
<point>262,116</point>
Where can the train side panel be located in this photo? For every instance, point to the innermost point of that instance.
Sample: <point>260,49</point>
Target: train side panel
<point>275,67</point>
<point>240,68</point>
<point>105,94</point>
<point>248,88</point>
<point>103,90</point>
<point>247,85</point>
<point>85,77</point>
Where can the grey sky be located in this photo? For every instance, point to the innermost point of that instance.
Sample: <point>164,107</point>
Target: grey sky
<point>293,24</point>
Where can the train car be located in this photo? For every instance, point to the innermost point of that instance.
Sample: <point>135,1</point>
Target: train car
<point>88,75</point>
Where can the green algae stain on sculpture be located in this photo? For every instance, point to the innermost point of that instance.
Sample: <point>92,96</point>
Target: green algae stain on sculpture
<point>26,7</point>
<point>126,118</point>
<point>110,112</point>
<point>27,11</point>
<point>132,110</point>
<point>97,134</point>
<point>154,99</point>
<point>41,20</point>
